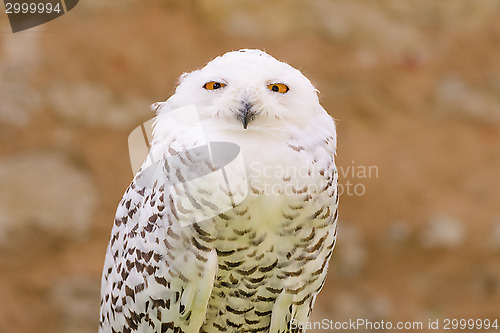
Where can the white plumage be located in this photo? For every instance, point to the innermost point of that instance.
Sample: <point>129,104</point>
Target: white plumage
<point>257,266</point>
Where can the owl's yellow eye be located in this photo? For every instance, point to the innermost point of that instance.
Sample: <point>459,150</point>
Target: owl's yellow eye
<point>278,87</point>
<point>213,85</point>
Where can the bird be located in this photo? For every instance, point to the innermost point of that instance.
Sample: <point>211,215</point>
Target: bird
<point>256,265</point>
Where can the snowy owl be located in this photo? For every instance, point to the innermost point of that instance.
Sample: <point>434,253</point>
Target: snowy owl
<point>258,266</point>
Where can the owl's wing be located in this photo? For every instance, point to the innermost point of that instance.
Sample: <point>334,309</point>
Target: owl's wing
<point>293,307</point>
<point>156,277</point>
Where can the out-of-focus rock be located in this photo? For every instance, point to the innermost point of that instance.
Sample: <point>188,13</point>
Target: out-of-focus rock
<point>255,19</point>
<point>77,301</point>
<point>106,6</point>
<point>495,234</point>
<point>44,191</point>
<point>390,26</point>
<point>18,102</point>
<point>443,232</point>
<point>352,21</point>
<point>350,252</point>
<point>364,23</point>
<point>486,284</point>
<point>420,283</point>
<point>457,96</point>
<point>21,52</point>
<point>397,234</point>
<point>94,105</point>
<point>349,306</point>
<point>20,57</point>
<point>472,15</point>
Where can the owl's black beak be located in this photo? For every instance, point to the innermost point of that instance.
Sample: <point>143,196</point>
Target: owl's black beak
<point>245,113</point>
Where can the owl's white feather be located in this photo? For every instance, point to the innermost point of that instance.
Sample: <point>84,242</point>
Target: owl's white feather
<point>257,266</point>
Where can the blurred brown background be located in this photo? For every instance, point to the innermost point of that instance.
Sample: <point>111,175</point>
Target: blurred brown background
<point>415,86</point>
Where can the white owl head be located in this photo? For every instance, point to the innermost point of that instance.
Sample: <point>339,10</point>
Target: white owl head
<point>248,90</point>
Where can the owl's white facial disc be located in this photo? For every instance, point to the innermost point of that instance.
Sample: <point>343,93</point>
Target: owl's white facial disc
<point>248,90</point>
